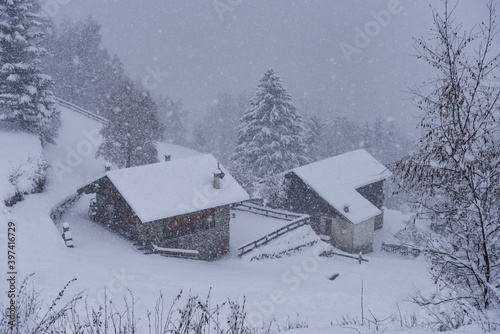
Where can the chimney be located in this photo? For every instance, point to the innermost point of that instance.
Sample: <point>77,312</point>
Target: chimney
<point>346,208</point>
<point>218,175</point>
<point>107,167</point>
<point>168,157</point>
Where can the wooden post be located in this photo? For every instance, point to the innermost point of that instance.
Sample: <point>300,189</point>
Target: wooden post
<point>68,239</point>
<point>362,306</point>
<point>360,257</point>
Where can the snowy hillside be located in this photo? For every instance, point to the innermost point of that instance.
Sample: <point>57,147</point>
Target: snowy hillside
<point>103,259</point>
<point>73,157</point>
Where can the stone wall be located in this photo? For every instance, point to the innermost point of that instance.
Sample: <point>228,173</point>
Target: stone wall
<point>342,234</point>
<point>363,237</point>
<point>210,243</point>
<point>113,210</point>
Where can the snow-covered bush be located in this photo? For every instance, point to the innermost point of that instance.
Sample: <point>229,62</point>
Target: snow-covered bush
<point>272,190</point>
<point>394,198</point>
<point>413,235</point>
<point>68,315</point>
<point>31,314</point>
<point>28,178</point>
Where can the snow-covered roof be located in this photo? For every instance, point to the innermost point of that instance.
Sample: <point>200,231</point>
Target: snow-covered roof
<point>176,151</point>
<point>336,180</point>
<point>176,187</point>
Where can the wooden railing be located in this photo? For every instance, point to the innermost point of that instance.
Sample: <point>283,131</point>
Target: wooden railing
<point>273,235</point>
<point>400,249</point>
<point>80,110</point>
<point>60,208</point>
<point>296,221</point>
<point>268,212</point>
<point>332,253</point>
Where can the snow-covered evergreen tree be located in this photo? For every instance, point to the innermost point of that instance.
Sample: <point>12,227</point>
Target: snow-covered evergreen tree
<point>219,127</point>
<point>382,140</point>
<point>341,135</point>
<point>129,139</point>
<point>83,70</point>
<point>173,115</point>
<point>270,132</point>
<point>26,99</point>
<point>367,136</point>
<point>314,138</point>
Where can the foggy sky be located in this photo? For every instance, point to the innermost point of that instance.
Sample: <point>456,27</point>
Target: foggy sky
<point>195,51</point>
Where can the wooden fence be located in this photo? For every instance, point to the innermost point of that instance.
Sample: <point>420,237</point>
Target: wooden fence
<point>354,257</point>
<point>80,110</point>
<point>273,235</point>
<point>60,208</point>
<point>268,212</point>
<point>400,249</point>
<point>296,221</point>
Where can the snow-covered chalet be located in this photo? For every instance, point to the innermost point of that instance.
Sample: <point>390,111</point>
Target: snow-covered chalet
<point>344,197</point>
<point>179,207</point>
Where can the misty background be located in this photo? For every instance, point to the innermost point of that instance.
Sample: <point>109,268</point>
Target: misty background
<point>197,51</point>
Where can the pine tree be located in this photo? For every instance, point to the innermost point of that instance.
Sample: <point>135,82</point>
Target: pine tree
<point>314,137</point>
<point>129,139</point>
<point>26,99</point>
<point>270,132</point>
<point>219,127</point>
<point>341,135</point>
<point>367,136</point>
<point>83,70</point>
<point>173,115</point>
<point>199,140</point>
<point>379,143</point>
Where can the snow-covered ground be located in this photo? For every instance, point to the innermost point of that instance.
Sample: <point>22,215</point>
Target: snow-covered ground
<point>284,287</point>
<point>103,259</point>
<point>17,148</point>
<point>73,158</point>
<point>247,227</point>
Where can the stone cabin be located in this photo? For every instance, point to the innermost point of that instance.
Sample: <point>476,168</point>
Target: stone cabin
<point>178,207</point>
<point>344,197</point>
